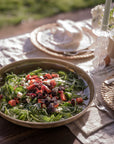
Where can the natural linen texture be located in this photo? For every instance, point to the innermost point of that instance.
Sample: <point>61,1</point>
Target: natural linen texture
<point>94,126</point>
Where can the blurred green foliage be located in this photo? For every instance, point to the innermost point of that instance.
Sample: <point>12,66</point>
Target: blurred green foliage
<point>13,12</point>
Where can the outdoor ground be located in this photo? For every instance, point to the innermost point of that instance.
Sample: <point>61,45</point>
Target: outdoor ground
<point>28,26</point>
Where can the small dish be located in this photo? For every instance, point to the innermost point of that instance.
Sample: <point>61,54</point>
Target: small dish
<point>44,36</point>
<point>107,92</point>
<point>86,42</point>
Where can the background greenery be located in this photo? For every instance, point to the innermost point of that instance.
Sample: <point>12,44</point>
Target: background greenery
<point>13,12</point>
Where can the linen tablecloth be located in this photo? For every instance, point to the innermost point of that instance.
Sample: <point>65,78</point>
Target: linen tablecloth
<point>95,126</point>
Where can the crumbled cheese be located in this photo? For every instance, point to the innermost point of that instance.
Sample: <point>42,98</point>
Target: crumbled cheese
<point>47,81</point>
<point>41,77</point>
<point>33,80</point>
<point>59,109</point>
<point>19,94</point>
<point>28,100</point>
<point>59,80</point>
<point>25,85</point>
<point>29,81</point>
<point>23,79</point>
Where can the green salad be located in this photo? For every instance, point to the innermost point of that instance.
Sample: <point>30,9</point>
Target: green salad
<point>43,95</point>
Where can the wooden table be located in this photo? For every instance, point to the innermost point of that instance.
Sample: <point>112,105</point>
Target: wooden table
<point>14,134</point>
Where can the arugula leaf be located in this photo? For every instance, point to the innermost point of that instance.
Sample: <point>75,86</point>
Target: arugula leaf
<point>36,72</point>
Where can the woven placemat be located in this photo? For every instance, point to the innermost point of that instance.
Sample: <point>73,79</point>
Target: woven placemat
<point>107,93</point>
<point>34,41</point>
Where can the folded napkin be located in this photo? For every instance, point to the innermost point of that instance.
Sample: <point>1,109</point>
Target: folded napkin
<point>94,126</point>
<point>93,120</point>
<point>18,48</point>
<point>103,136</point>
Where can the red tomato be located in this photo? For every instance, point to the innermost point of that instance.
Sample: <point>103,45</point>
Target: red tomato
<point>31,87</point>
<point>43,105</point>
<point>62,96</point>
<point>55,75</point>
<point>56,105</point>
<point>79,100</point>
<point>50,96</point>
<point>34,77</point>
<point>53,83</point>
<point>28,77</point>
<point>32,95</point>
<point>48,90</point>
<point>48,76</point>
<point>56,97</point>
<point>69,102</point>
<point>40,100</point>
<point>45,88</point>
<point>39,91</point>
<point>31,81</point>
<point>60,91</point>
<point>12,102</point>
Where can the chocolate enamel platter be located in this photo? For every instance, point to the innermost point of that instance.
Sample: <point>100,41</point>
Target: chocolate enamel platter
<point>28,65</point>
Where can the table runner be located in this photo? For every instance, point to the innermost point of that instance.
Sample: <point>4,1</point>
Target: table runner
<point>86,129</point>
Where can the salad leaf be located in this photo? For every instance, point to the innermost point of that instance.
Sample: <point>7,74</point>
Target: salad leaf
<point>42,95</point>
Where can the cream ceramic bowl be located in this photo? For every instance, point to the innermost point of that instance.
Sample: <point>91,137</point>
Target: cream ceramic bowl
<point>46,63</point>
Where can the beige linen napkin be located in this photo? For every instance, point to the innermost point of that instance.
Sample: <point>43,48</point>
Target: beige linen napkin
<point>17,48</point>
<point>103,136</point>
<point>92,121</point>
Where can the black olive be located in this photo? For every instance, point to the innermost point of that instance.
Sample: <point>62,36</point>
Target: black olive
<point>40,96</point>
<point>50,108</point>
<point>73,102</point>
<point>54,93</point>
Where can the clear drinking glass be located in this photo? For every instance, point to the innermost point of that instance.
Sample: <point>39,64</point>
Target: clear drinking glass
<point>101,46</point>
